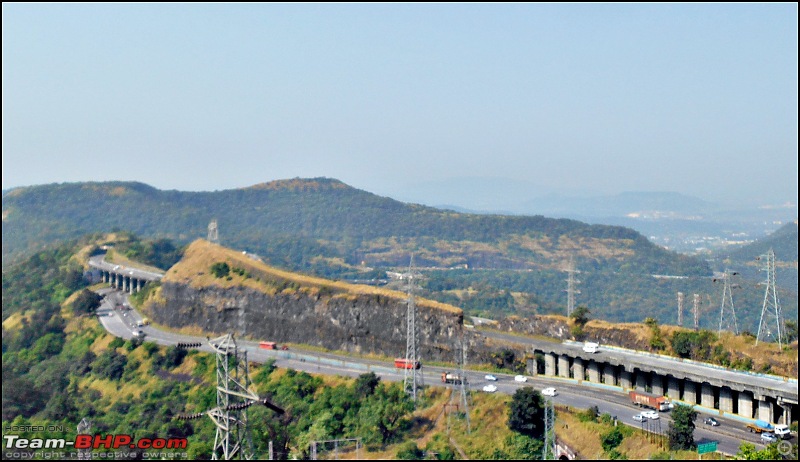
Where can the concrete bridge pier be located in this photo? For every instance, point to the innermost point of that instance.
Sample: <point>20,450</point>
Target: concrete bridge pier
<point>549,364</point>
<point>594,372</point>
<point>673,388</point>
<point>745,407</point>
<point>657,384</point>
<point>578,369</point>
<point>625,379</point>
<point>707,395</point>
<point>765,409</point>
<point>689,392</point>
<point>725,399</point>
<point>609,375</point>
<point>641,381</point>
<point>563,366</point>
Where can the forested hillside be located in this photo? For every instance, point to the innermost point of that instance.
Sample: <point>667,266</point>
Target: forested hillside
<point>488,264</point>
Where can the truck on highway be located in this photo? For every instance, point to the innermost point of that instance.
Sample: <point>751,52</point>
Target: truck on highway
<point>783,432</point>
<point>641,399</point>
<point>271,346</point>
<point>760,426</point>
<point>449,377</point>
<point>402,363</point>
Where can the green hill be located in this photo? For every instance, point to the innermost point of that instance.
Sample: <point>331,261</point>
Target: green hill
<point>487,264</point>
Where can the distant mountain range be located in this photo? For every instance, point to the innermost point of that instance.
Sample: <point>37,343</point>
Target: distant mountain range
<point>489,264</point>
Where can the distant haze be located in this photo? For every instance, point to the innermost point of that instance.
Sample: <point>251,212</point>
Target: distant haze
<point>412,101</point>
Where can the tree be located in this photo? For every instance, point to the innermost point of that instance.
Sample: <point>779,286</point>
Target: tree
<point>747,451</point>
<point>366,383</point>
<point>526,413</point>
<point>681,429</point>
<point>86,302</point>
<point>612,439</point>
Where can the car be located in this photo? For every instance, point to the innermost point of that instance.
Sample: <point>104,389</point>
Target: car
<point>490,378</point>
<point>639,418</point>
<point>490,388</point>
<point>138,333</point>
<point>520,378</point>
<point>549,391</point>
<point>711,421</point>
<point>768,437</point>
<point>652,415</point>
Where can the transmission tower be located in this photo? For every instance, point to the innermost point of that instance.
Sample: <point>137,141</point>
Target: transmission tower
<point>727,312</point>
<point>213,232</point>
<point>460,400</point>
<point>84,427</point>
<point>571,283</point>
<point>548,449</point>
<point>771,310</point>
<point>412,379</point>
<point>680,309</point>
<point>232,440</point>
<point>696,310</point>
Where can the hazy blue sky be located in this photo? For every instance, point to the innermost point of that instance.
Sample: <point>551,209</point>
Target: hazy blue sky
<point>603,98</point>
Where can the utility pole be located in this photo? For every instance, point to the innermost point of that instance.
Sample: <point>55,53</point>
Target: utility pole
<point>771,313</point>
<point>727,312</point>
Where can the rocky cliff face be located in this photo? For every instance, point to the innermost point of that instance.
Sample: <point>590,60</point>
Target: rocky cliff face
<point>361,323</point>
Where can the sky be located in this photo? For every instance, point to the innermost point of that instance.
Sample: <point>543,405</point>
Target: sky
<point>395,98</point>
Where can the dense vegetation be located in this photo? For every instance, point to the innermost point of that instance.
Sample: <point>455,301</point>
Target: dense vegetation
<point>487,264</point>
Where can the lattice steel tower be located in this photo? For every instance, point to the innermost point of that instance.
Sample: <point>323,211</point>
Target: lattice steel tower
<point>462,397</point>
<point>680,309</point>
<point>696,310</point>
<point>213,232</point>
<point>727,312</point>
<point>548,449</point>
<point>232,440</point>
<point>412,377</point>
<point>571,283</point>
<point>771,324</point>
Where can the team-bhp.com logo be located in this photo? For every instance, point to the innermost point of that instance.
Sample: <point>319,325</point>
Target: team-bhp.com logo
<point>94,442</point>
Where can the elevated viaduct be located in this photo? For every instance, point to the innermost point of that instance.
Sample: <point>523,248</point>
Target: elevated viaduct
<point>124,278</point>
<point>734,393</point>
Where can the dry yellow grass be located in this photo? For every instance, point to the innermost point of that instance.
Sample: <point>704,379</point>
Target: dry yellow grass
<point>13,322</point>
<point>194,270</point>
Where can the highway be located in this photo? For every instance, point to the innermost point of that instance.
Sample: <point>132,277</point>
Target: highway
<point>123,322</point>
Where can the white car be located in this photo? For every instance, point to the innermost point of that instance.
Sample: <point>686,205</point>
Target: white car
<point>639,418</point>
<point>549,391</point>
<point>490,388</point>
<point>652,415</point>
<point>520,378</point>
<point>490,378</point>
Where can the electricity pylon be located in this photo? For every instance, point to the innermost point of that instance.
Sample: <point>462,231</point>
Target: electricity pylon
<point>680,309</point>
<point>771,314</point>
<point>571,283</point>
<point>213,232</point>
<point>232,440</point>
<point>727,312</point>
<point>412,377</point>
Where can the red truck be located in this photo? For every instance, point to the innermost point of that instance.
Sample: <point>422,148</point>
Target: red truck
<point>271,346</point>
<point>659,403</point>
<point>401,363</point>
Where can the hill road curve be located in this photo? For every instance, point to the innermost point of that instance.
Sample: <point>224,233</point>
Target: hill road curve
<point>120,320</point>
